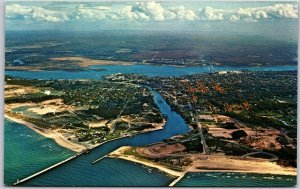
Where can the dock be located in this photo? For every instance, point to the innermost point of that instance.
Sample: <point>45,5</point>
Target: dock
<point>47,169</point>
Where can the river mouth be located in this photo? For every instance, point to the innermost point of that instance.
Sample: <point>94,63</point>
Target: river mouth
<point>64,175</point>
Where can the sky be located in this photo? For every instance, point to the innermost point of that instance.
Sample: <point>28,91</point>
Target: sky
<point>279,18</point>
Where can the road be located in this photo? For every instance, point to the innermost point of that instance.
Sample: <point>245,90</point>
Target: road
<point>199,127</point>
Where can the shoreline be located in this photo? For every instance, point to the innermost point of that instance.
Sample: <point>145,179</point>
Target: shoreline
<point>63,142</point>
<point>119,153</point>
<point>58,138</point>
<point>240,171</point>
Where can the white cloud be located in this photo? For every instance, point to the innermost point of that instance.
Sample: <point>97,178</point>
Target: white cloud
<point>288,11</point>
<point>42,14</point>
<point>141,11</point>
<point>19,12</point>
<point>180,13</point>
<point>17,9</point>
<point>210,13</point>
<point>284,10</point>
<point>97,13</point>
<point>150,11</point>
<point>249,14</point>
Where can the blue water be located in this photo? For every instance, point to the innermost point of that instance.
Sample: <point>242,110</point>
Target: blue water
<point>149,70</point>
<point>27,152</point>
<point>216,179</point>
<point>108,172</point>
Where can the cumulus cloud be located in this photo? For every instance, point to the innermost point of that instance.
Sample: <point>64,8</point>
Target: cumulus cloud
<point>151,11</point>
<point>19,12</point>
<point>17,9</point>
<point>181,13</point>
<point>210,13</point>
<point>283,10</point>
<point>140,11</point>
<point>287,11</point>
<point>94,13</point>
<point>130,13</point>
<point>42,14</point>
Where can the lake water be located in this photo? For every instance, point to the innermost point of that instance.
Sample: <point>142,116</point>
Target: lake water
<point>115,172</point>
<point>149,70</point>
<point>216,179</point>
<point>26,152</point>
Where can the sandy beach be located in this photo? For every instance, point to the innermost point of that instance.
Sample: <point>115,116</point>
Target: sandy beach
<point>59,138</point>
<point>223,163</point>
<point>119,154</point>
<point>214,163</point>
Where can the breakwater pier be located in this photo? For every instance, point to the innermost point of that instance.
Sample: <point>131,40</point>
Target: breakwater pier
<point>47,169</point>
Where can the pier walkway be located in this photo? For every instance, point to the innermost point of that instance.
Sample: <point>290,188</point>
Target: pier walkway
<point>47,169</point>
<point>177,180</point>
<point>99,159</point>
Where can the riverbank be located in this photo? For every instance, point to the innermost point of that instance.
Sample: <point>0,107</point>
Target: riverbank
<point>59,139</point>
